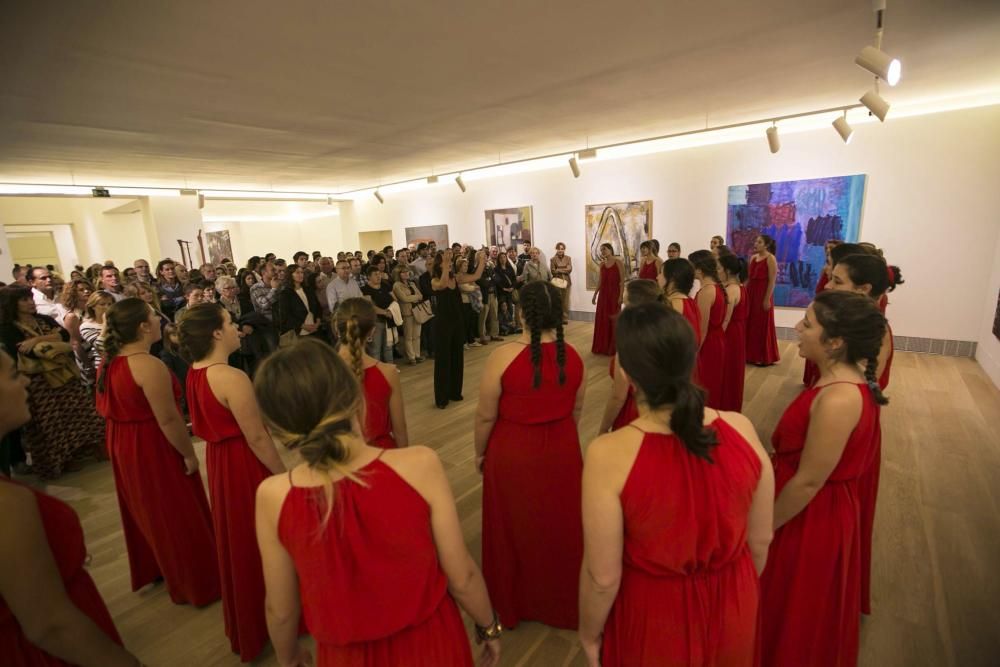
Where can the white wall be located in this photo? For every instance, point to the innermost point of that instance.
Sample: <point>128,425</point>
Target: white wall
<point>931,202</point>
<point>988,349</point>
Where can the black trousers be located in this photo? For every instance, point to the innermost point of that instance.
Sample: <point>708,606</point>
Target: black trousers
<point>449,359</point>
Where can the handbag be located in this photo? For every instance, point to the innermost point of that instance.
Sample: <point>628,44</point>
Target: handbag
<point>422,312</point>
<point>559,283</point>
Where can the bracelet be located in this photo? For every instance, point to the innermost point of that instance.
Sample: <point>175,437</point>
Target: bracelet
<point>489,632</point>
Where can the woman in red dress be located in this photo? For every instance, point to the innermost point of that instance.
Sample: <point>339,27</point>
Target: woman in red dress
<point>811,373</point>
<point>762,340</point>
<point>165,515</point>
<point>677,282</point>
<point>608,298</point>
<point>824,443</point>
<point>528,449</point>
<point>734,370</point>
<point>364,541</point>
<point>50,611</point>
<point>385,419</point>
<point>649,264</point>
<point>239,455</point>
<point>715,314</point>
<point>670,574</point>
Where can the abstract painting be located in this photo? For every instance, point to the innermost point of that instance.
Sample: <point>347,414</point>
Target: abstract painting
<point>219,247</point>
<point>801,216</point>
<point>426,234</point>
<point>624,226</point>
<point>508,227</point>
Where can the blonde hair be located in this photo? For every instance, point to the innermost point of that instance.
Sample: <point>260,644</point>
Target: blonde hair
<point>355,320</point>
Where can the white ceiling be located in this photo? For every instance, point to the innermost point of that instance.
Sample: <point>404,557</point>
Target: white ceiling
<point>334,96</point>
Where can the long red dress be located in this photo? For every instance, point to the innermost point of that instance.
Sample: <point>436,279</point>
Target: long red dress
<point>811,587</point>
<point>762,339</point>
<point>628,411</point>
<point>371,586</point>
<point>692,313</point>
<point>65,537</point>
<point>378,423</point>
<point>688,592</point>
<point>234,473</point>
<point>811,372</point>
<point>647,271</point>
<point>532,523</point>
<point>712,354</point>
<point>734,370</point>
<point>165,515</point>
<point>608,307</point>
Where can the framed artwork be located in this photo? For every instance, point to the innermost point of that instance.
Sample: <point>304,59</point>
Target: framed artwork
<point>219,247</point>
<point>801,216</point>
<point>507,227</point>
<point>426,234</point>
<point>624,226</point>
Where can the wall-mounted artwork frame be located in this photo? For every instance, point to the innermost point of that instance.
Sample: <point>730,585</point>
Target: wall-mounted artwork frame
<point>624,225</point>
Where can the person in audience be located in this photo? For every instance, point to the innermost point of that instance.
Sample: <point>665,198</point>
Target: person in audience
<point>734,274</point>
<point>298,311</point>
<point>142,274</point>
<point>64,428</point>
<point>824,442</point>
<point>528,450</point>
<point>472,303</point>
<point>534,269</point>
<point>44,295</point>
<point>674,251</point>
<point>678,280</point>
<point>73,299</point>
<point>264,293</point>
<point>342,287</point>
<point>128,276</point>
<point>324,274</point>
<point>50,610</point>
<point>170,355</point>
<point>384,416</point>
<point>20,275</point>
<point>621,408</point>
<point>357,275</point>
<point>110,282</point>
<point>670,568</point>
<point>608,298</point>
<point>91,334</point>
<point>244,319</point>
<point>239,455</point>
<point>419,265</point>
<point>408,295</point>
<point>715,314</point>
<point>714,244</point>
<point>449,331</point>
<point>379,293</point>
<point>488,327</point>
<point>365,534</point>
<point>649,263</point>
<point>171,289</point>
<point>165,514</point>
<point>194,293</point>
<point>182,273</point>
<point>505,284</point>
<point>561,266</point>
<point>762,339</point>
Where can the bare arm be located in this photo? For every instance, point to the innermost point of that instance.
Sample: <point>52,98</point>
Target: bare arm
<point>730,306</point>
<point>705,299</point>
<point>489,401</point>
<point>619,393</point>
<point>237,395</point>
<point>473,277</point>
<point>772,277</point>
<point>153,378</point>
<point>621,281</point>
<point>402,293</point>
<point>72,325</point>
<point>760,521</point>
<point>397,413</point>
<point>581,393</point>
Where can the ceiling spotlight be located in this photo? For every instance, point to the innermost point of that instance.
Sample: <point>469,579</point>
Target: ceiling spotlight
<point>773,142</point>
<point>378,196</point>
<point>460,183</point>
<point>843,128</point>
<point>431,180</point>
<point>876,104</point>
<point>880,64</point>
<point>574,166</point>
<point>588,154</point>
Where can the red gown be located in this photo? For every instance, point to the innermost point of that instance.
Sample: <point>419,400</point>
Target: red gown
<point>811,372</point>
<point>65,537</point>
<point>734,370</point>
<point>762,340</point>
<point>712,354</point>
<point>371,586</point>
<point>378,423</point>
<point>692,313</point>
<point>647,271</point>
<point>234,472</point>
<point>165,516</point>
<point>689,593</point>
<point>532,524</point>
<point>608,307</point>
<point>811,587</point>
<point>628,411</point>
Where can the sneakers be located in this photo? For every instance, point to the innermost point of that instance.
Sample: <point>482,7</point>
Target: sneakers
<point>475,343</point>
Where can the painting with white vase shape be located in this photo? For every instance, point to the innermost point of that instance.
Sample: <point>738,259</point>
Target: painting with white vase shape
<point>624,226</point>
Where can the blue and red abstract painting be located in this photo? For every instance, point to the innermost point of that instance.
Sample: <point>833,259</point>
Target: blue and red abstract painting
<point>801,216</point>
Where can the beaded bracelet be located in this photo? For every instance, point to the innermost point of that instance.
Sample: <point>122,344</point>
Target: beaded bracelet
<point>486,633</point>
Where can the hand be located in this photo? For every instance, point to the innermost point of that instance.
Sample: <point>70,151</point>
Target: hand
<point>247,329</point>
<point>310,327</point>
<point>26,345</point>
<point>767,305</point>
<point>190,465</point>
<point>594,300</point>
<point>592,650</point>
<point>303,658</point>
<point>491,653</point>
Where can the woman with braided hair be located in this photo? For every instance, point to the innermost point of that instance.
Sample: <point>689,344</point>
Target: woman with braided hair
<point>823,446</point>
<point>165,515</point>
<point>384,423</point>
<point>528,450</point>
<point>716,310</point>
<point>364,541</point>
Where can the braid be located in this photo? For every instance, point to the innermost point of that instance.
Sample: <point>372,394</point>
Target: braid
<point>561,353</point>
<point>356,349</point>
<point>871,368</point>
<point>533,315</point>
<point>112,345</point>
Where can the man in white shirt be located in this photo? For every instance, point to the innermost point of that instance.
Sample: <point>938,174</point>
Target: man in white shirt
<point>43,294</point>
<point>109,283</point>
<point>342,286</point>
<point>419,265</point>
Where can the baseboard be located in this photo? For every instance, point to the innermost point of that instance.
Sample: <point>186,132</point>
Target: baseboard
<point>947,348</point>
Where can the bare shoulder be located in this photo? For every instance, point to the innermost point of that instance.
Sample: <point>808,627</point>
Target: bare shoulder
<point>838,397</point>
<point>418,465</point>
<point>389,371</point>
<point>612,454</point>
<point>274,488</point>
<point>740,423</point>
<point>15,498</point>
<point>504,354</point>
<point>146,366</point>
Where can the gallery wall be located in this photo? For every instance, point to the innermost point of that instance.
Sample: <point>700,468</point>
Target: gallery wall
<point>988,350</point>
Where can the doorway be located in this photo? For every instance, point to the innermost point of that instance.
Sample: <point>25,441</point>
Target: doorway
<point>374,240</point>
<point>34,248</point>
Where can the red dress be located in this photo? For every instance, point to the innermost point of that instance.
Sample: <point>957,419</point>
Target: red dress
<point>712,354</point>
<point>648,271</point>
<point>692,313</point>
<point>628,411</point>
<point>689,593</point>
<point>734,370</point>
<point>65,537</point>
<point>608,306</point>
<point>532,523</point>
<point>234,472</point>
<point>811,372</point>
<point>762,340</point>
<point>165,515</point>
<point>378,423</point>
<point>811,587</point>
<point>371,586</point>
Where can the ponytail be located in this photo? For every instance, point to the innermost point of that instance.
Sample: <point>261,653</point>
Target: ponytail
<point>687,420</point>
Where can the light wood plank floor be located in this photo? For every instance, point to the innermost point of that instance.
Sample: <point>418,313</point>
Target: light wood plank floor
<point>937,542</point>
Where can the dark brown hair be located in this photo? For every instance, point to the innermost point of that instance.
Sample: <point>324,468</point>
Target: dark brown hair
<point>541,308</point>
<point>121,327</point>
<point>856,319</point>
<point>195,328</point>
<point>355,320</point>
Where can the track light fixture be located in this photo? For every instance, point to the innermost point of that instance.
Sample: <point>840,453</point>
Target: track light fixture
<point>587,154</point>
<point>574,167</point>
<point>431,180</point>
<point>880,64</point>
<point>843,128</point>
<point>378,196</point>
<point>773,141</point>
<point>876,103</point>
<point>460,183</point>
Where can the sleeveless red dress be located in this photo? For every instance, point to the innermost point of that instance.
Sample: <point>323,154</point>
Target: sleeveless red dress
<point>647,271</point>
<point>372,588</point>
<point>65,537</point>
<point>165,516</point>
<point>234,473</point>
<point>734,369</point>
<point>689,593</point>
<point>762,340</point>
<point>608,308</point>
<point>628,411</point>
<point>712,354</point>
<point>811,587</point>
<point>811,372</point>
<point>532,523</point>
<point>378,423</point>
<point>692,313</point>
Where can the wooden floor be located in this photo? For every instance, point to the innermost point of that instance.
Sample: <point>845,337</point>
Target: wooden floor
<point>936,580</point>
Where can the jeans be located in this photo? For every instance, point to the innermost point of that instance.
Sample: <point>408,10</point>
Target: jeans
<point>488,324</point>
<point>379,346</point>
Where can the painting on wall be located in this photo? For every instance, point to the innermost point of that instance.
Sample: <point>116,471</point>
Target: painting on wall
<point>801,216</point>
<point>624,226</point>
<point>508,227</point>
<point>426,234</point>
<point>219,247</point>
